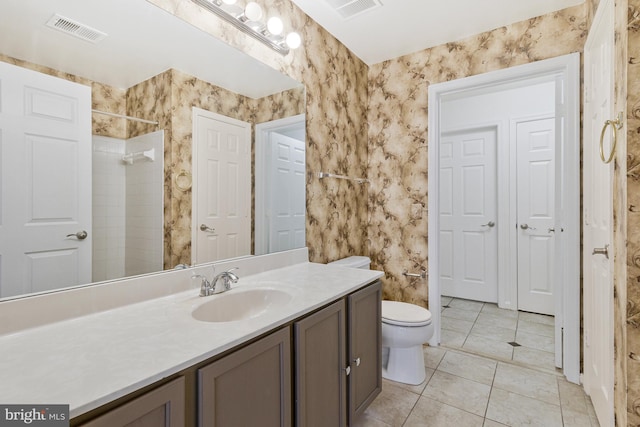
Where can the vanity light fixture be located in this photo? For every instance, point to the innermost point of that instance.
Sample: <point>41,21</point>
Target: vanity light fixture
<point>249,21</point>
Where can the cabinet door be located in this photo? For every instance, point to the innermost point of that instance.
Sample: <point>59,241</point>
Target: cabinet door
<point>249,387</point>
<point>365,348</point>
<point>320,345</point>
<point>162,407</point>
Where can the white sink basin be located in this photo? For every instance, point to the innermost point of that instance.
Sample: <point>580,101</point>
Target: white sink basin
<point>240,304</point>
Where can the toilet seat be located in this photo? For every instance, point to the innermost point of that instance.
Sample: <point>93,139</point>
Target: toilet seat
<point>404,314</point>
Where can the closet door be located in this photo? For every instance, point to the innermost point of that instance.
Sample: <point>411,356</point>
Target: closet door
<point>468,236</point>
<point>45,182</point>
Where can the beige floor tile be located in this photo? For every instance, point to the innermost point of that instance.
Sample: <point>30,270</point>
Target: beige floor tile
<point>527,382</point>
<point>429,412</point>
<point>469,316</point>
<point>494,332</point>
<point>433,356</point>
<point>452,338</point>
<point>491,423</point>
<point>465,304</point>
<point>488,347</point>
<point>592,413</point>
<point>515,410</point>
<point>491,308</point>
<point>572,396</point>
<point>535,328</point>
<point>534,357</point>
<point>537,318</point>
<point>470,367</point>
<point>393,404</point>
<point>417,389</point>
<point>497,320</point>
<point>539,342</point>
<point>458,325</point>
<point>445,300</point>
<point>458,392</point>
<point>575,419</point>
<point>366,420</point>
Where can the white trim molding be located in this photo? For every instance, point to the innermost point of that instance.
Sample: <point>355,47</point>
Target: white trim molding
<point>565,71</point>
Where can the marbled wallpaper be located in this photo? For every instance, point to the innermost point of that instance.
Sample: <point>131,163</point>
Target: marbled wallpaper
<point>631,313</point>
<point>336,102</point>
<point>398,117</point>
<point>169,98</point>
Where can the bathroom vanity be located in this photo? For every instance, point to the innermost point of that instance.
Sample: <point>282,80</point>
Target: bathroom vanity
<point>310,352</point>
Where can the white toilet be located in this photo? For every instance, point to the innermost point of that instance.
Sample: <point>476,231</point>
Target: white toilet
<point>405,328</point>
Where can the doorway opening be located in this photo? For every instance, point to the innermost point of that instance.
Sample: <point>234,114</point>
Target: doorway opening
<point>504,224</point>
<point>280,185</point>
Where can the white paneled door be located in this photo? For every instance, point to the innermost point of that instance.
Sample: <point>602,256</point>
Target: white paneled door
<point>286,210</point>
<point>597,220</point>
<point>45,178</point>
<point>222,187</point>
<point>535,146</point>
<point>468,237</point>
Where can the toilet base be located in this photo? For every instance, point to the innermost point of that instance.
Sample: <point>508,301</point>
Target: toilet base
<point>404,365</point>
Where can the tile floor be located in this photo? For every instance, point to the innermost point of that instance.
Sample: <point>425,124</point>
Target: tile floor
<point>477,379</point>
<point>486,330</point>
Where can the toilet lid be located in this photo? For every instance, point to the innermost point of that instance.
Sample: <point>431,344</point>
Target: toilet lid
<point>404,314</point>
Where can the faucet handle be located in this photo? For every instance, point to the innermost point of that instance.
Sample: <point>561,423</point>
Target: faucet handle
<point>234,278</point>
<point>205,285</point>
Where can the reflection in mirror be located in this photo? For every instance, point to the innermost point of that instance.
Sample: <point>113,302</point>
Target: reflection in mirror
<point>87,196</point>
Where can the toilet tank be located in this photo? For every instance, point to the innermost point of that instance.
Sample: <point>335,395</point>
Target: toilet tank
<point>363,262</point>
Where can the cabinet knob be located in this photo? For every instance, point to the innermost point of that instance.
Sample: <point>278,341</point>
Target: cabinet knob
<point>347,370</point>
<point>357,361</point>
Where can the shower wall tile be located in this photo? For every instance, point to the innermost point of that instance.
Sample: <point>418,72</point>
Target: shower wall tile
<point>398,116</point>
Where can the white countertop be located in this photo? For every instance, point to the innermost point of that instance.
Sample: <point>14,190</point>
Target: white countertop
<point>91,360</point>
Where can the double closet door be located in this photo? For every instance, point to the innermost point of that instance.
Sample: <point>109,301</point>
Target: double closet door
<point>498,197</point>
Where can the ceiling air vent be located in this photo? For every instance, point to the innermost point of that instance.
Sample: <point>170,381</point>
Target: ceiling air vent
<point>351,8</point>
<point>75,29</point>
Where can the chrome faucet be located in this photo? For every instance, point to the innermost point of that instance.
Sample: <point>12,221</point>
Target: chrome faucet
<point>227,278</point>
<point>211,287</point>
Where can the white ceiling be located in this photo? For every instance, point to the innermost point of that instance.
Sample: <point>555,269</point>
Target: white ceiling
<point>400,27</point>
<point>143,41</point>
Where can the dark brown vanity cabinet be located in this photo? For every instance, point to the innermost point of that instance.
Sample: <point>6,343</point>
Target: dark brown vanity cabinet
<point>325,375</point>
<point>249,387</point>
<point>161,407</point>
<point>364,314</point>
<point>338,360</point>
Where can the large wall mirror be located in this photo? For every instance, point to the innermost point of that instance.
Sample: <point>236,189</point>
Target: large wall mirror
<point>132,142</point>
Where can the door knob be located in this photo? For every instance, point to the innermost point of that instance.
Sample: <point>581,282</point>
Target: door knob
<point>80,235</point>
<point>526,227</point>
<point>204,227</point>
<point>489,224</point>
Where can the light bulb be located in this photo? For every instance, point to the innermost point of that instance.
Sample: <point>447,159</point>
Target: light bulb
<point>274,25</point>
<point>293,40</point>
<point>253,11</point>
<point>229,1</point>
